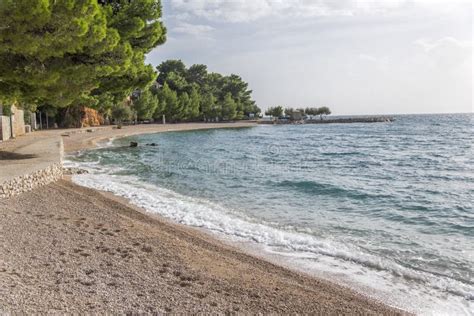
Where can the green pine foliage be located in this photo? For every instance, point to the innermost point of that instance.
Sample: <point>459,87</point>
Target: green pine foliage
<point>202,95</point>
<point>184,104</point>
<point>192,111</point>
<point>229,107</point>
<point>277,111</point>
<point>170,106</point>
<point>145,104</point>
<point>208,104</point>
<point>69,52</point>
<point>60,55</point>
<point>121,112</point>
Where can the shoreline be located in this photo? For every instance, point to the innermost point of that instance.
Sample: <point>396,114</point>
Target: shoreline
<point>74,141</point>
<point>248,249</point>
<point>319,294</point>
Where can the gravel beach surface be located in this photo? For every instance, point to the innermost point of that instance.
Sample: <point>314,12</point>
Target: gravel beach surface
<point>65,248</point>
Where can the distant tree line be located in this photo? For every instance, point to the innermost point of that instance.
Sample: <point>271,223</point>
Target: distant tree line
<point>278,111</point>
<point>193,94</point>
<point>275,111</point>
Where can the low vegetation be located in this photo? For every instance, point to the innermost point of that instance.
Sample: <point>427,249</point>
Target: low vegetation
<point>279,111</point>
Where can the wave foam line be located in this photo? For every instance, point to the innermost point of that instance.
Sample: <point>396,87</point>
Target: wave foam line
<point>205,214</point>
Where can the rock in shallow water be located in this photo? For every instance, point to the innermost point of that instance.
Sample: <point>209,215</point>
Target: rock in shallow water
<point>73,171</point>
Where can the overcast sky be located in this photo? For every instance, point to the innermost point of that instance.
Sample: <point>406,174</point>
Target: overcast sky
<point>355,56</point>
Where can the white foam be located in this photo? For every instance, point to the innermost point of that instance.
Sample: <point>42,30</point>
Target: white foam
<point>426,293</point>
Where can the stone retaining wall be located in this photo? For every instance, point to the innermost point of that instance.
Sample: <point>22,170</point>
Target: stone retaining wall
<point>25,183</point>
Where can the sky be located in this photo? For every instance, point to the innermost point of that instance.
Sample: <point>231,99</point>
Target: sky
<point>355,56</point>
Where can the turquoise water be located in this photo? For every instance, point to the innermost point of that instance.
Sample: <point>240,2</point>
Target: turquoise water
<point>386,207</point>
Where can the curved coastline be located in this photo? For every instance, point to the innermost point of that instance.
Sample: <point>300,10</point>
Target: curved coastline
<point>302,293</point>
<point>80,139</point>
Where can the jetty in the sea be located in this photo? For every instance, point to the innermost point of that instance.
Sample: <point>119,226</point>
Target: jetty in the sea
<point>356,119</point>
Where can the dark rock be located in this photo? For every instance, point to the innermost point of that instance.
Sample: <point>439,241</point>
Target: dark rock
<point>133,144</point>
<point>73,171</point>
<point>152,144</point>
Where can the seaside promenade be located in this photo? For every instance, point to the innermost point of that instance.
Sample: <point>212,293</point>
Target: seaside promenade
<point>29,162</point>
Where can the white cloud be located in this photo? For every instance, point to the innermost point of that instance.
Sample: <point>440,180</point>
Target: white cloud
<point>230,10</point>
<point>250,10</point>
<point>368,58</point>
<point>364,56</point>
<point>197,30</point>
<point>446,52</point>
<point>442,44</point>
<point>380,63</point>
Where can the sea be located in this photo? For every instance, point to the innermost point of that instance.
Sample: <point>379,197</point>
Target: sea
<point>384,208</point>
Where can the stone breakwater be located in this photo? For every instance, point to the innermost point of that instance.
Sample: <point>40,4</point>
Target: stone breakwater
<point>369,119</point>
<point>28,182</point>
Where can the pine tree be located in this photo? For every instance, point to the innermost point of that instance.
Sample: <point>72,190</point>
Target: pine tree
<point>184,105</point>
<point>194,105</point>
<point>139,26</point>
<point>229,108</point>
<point>44,46</point>
<point>145,104</point>
<point>212,96</point>
<point>170,105</point>
<point>57,52</point>
<point>208,102</point>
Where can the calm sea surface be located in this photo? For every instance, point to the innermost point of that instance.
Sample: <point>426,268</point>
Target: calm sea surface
<point>386,208</point>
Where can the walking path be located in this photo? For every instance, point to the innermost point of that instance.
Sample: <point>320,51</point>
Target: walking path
<point>29,162</point>
<point>27,155</point>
